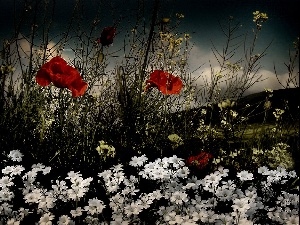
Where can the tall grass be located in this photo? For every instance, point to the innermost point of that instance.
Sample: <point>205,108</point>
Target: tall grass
<point>52,127</point>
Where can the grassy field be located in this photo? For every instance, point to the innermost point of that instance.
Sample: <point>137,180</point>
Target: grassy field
<point>258,130</point>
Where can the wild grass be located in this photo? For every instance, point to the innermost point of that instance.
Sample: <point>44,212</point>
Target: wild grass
<point>52,127</point>
<point>111,131</point>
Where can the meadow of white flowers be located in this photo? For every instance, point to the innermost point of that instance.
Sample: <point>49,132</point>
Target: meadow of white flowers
<point>159,192</point>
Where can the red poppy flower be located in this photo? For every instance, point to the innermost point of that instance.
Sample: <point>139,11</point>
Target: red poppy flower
<point>165,82</point>
<point>61,75</point>
<point>107,36</point>
<point>199,161</point>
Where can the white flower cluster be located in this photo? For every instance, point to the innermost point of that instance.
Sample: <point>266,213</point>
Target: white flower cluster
<point>79,187</point>
<point>161,192</point>
<point>165,169</point>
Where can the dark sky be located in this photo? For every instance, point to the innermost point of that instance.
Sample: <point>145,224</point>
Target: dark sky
<point>200,15</point>
<point>201,20</point>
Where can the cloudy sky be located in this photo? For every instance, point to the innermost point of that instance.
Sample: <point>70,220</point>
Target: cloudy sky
<point>201,21</point>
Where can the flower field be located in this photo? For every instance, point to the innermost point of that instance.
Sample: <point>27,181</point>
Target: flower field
<point>105,125</point>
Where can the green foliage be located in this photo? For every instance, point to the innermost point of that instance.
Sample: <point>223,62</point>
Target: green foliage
<point>54,127</point>
<point>277,156</point>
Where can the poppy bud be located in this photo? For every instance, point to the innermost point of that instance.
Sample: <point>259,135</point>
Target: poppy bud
<point>107,36</point>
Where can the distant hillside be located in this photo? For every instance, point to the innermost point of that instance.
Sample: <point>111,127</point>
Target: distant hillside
<point>286,99</point>
<point>252,107</point>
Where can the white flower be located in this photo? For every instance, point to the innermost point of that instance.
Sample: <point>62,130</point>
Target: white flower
<point>179,197</point>
<point>132,209</point>
<point>241,205</point>
<point>245,175</point>
<point>145,202</point>
<point>112,186</point>
<point>46,219</point>
<point>6,195</point>
<point>263,170</point>
<point>212,216</point>
<point>15,155</point>
<point>22,212</point>
<point>38,167</point>
<point>6,182</point>
<point>160,173</point>
<point>209,187</point>
<point>252,194</point>
<point>30,176</point>
<point>189,186</point>
<point>201,215</point>
<point>76,212</point>
<point>195,216</point>
<point>46,202</point>
<point>224,219</point>
<point>8,170</point>
<point>12,222</point>
<point>170,218</point>
<point>230,185</point>
<point>273,176</point>
<point>60,190</point>
<point>106,174</point>
<point>119,176</point>
<point>95,206</point>
<point>282,171</point>
<point>84,183</point>
<point>239,193</point>
<point>17,170</point>
<point>132,179</point>
<point>194,180</point>
<point>292,220</point>
<point>224,194</point>
<point>178,219</point>
<point>64,220</point>
<point>32,197</point>
<point>93,220</point>
<point>294,198</point>
<point>245,221</point>
<point>118,167</point>
<point>155,195</point>
<point>5,208</point>
<point>46,170</point>
<point>129,190</point>
<point>292,174</point>
<point>162,210</point>
<point>138,161</point>
<point>213,178</point>
<point>177,162</point>
<point>222,171</point>
<point>183,172</point>
<point>119,221</point>
<point>73,176</point>
<point>157,170</point>
<point>166,173</point>
<point>162,163</point>
<point>76,193</point>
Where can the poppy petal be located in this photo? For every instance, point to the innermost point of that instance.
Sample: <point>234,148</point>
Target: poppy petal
<point>78,88</point>
<point>71,75</point>
<point>107,36</point>
<point>43,78</point>
<point>166,83</point>
<point>61,75</point>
